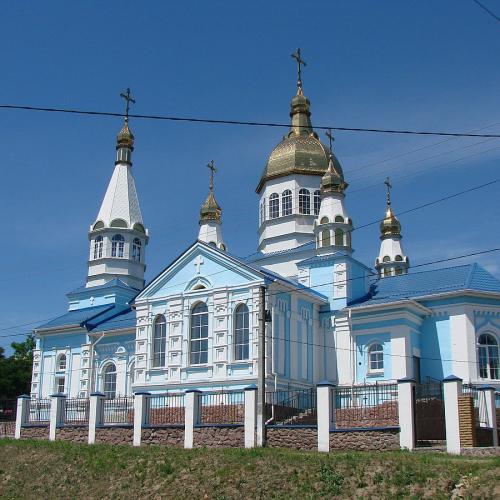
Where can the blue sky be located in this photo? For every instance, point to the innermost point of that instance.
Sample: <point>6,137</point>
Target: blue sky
<point>430,65</point>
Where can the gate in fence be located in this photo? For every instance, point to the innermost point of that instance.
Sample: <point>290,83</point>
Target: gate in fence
<point>430,426</point>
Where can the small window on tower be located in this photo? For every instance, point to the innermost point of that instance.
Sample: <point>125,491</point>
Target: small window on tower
<point>325,238</point>
<point>398,258</point>
<point>136,250</point>
<point>117,245</point>
<point>304,201</point>
<point>98,247</point>
<point>274,206</point>
<point>339,237</point>
<point>339,218</point>
<point>317,201</point>
<point>324,220</point>
<point>386,258</point>
<point>286,202</point>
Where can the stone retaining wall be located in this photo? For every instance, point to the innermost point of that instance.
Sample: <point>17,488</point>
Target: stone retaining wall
<point>386,439</point>
<point>114,435</point>
<point>35,432</point>
<point>167,436</point>
<point>7,429</point>
<point>74,434</point>
<point>482,452</point>
<point>219,437</point>
<point>298,438</point>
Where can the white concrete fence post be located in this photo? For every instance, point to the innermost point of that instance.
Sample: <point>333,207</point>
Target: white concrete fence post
<point>95,414</point>
<point>325,413</point>
<point>140,415</point>
<point>490,410</point>
<point>57,402</point>
<point>250,416</point>
<point>23,408</point>
<point>191,416</point>
<point>406,412</point>
<point>452,388</point>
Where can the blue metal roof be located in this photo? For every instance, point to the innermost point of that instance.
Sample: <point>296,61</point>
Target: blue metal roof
<point>77,317</point>
<point>123,317</point>
<point>110,284</point>
<point>259,255</point>
<point>426,283</point>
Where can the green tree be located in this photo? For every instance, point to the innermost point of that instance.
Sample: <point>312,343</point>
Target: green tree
<point>15,370</point>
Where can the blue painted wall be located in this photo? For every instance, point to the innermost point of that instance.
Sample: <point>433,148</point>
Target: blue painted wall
<point>435,346</point>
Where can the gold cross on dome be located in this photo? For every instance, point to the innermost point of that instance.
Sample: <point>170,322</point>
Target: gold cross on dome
<point>296,55</point>
<point>331,139</point>
<point>213,170</point>
<point>128,100</point>
<point>387,182</point>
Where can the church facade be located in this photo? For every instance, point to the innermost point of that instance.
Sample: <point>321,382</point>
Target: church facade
<point>328,315</point>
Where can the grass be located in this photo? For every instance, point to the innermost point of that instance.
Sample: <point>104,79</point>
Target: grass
<point>41,469</point>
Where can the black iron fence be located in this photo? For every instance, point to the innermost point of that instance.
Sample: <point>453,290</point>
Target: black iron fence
<point>369,405</point>
<point>226,407</point>
<point>76,411</point>
<point>165,409</point>
<point>479,399</point>
<point>39,411</point>
<point>118,411</point>
<point>8,410</point>
<point>291,407</point>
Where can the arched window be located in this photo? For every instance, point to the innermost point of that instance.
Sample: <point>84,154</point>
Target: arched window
<point>61,363</point>
<point>136,249</point>
<point>199,334</point>
<point>317,201</point>
<point>110,381</point>
<point>159,341</point>
<point>339,218</point>
<point>399,271</point>
<point>387,271</point>
<point>98,247</point>
<point>376,358</point>
<point>286,202</point>
<point>117,245</point>
<point>325,238</point>
<point>304,202</point>
<point>241,333</point>
<point>386,258</point>
<point>339,237</point>
<point>398,258</point>
<point>324,220</point>
<point>98,225</point>
<point>274,206</point>
<point>487,347</point>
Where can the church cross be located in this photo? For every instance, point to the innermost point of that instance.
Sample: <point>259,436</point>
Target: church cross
<point>128,100</point>
<point>331,139</point>
<point>197,263</point>
<point>213,170</point>
<point>389,187</point>
<point>296,55</point>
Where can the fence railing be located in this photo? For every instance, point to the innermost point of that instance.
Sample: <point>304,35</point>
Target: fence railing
<point>165,409</point>
<point>118,411</point>
<point>222,407</point>
<point>39,411</point>
<point>8,410</point>
<point>76,411</point>
<point>478,398</point>
<point>370,405</point>
<point>291,407</point>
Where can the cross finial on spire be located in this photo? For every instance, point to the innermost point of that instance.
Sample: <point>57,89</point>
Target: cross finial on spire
<point>213,170</point>
<point>388,184</point>
<point>128,100</point>
<point>296,55</point>
<point>331,139</point>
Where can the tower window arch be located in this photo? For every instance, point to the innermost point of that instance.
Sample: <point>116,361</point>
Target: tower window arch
<point>274,206</point>
<point>98,247</point>
<point>118,223</point>
<point>339,237</point>
<point>136,249</point>
<point>324,220</point>
<point>398,258</point>
<point>241,333</point>
<point>199,334</point>
<point>386,258</point>
<point>487,350</point>
<point>286,202</point>
<point>325,238</point>
<point>98,225</point>
<point>304,201</point>
<point>159,341</point>
<point>317,201</point>
<point>339,218</point>
<point>375,358</point>
<point>117,245</point>
<point>109,381</point>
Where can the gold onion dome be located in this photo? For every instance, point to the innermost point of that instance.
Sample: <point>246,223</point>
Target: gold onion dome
<point>333,179</point>
<point>300,151</point>
<point>125,137</point>
<point>210,210</point>
<point>390,226</point>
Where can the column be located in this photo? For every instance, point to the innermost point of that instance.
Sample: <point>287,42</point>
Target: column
<point>57,405</point>
<point>191,416</point>
<point>406,412</point>
<point>95,414</point>
<point>489,410</point>
<point>452,386</point>
<point>250,415</point>
<point>140,415</point>
<point>23,408</point>
<point>325,411</point>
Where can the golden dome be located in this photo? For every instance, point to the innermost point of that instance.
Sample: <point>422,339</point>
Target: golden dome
<point>333,179</point>
<point>125,138</point>
<point>210,210</point>
<point>390,226</point>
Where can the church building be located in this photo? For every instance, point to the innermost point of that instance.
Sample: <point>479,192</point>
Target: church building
<point>328,315</point>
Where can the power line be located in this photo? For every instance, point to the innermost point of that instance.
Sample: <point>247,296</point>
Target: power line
<point>491,13</point>
<point>240,122</point>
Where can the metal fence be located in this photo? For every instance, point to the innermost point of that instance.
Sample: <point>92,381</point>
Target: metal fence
<point>165,409</point>
<point>370,405</point>
<point>291,407</point>
<point>222,407</point>
<point>8,410</point>
<point>39,411</point>
<point>478,398</point>
<point>118,411</point>
<point>76,411</point>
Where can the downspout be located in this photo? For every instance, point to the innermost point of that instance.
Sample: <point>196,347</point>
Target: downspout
<point>273,362</point>
<point>92,357</point>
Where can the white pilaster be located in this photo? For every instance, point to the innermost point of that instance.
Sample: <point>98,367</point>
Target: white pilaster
<point>140,415</point>
<point>23,408</point>
<point>57,402</point>
<point>406,411</point>
<point>95,414</point>
<point>191,416</point>
<point>250,415</point>
<point>452,389</point>
<point>325,410</point>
